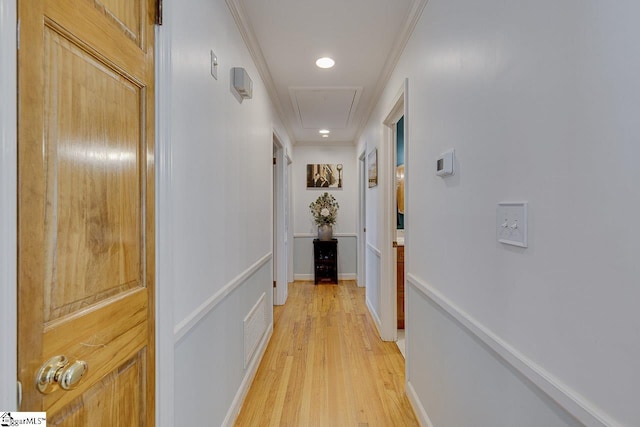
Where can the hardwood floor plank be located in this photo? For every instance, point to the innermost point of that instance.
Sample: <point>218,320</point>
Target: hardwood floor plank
<point>282,392</point>
<point>326,365</point>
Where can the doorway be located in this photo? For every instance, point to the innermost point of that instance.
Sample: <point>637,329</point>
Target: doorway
<point>362,218</point>
<point>389,250</point>
<point>280,223</point>
<point>398,241</point>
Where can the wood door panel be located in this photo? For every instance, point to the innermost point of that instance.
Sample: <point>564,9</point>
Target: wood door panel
<point>82,20</point>
<point>120,395</point>
<point>400,287</point>
<point>94,179</point>
<point>105,337</point>
<point>86,207</point>
<point>128,15</point>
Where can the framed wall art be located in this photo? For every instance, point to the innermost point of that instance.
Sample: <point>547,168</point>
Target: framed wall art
<point>372,167</point>
<point>321,175</point>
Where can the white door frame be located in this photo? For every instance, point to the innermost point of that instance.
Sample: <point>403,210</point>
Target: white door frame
<point>289,208</point>
<point>280,223</point>
<point>388,290</point>
<point>362,216</point>
<point>8,205</point>
<point>165,283</point>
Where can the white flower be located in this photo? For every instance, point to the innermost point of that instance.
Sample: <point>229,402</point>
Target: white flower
<point>324,212</point>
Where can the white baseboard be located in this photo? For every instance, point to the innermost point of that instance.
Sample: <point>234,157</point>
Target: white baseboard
<point>238,400</point>
<point>418,409</point>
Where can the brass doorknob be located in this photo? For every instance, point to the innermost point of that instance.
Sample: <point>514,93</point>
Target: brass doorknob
<point>57,372</point>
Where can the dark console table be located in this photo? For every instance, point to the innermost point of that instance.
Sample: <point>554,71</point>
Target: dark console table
<point>325,261</point>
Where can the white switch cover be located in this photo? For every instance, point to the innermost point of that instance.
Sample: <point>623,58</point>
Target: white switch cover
<point>511,223</point>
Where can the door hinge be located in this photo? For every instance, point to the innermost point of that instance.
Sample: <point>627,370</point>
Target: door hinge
<point>19,394</point>
<point>274,160</point>
<point>18,35</point>
<point>158,12</point>
<point>274,283</point>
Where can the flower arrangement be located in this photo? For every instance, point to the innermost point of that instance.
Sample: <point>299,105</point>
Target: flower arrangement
<point>324,209</point>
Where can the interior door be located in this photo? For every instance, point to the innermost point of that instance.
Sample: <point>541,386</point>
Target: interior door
<point>86,211</point>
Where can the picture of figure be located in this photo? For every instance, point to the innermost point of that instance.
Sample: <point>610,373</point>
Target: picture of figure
<point>319,181</point>
<point>324,176</point>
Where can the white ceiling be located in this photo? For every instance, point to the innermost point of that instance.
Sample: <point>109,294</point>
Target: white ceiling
<point>364,37</point>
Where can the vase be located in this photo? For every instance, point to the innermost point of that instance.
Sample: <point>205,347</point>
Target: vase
<point>325,232</point>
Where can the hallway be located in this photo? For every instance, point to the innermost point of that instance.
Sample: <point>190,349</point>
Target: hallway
<point>325,365</point>
<point>521,195</point>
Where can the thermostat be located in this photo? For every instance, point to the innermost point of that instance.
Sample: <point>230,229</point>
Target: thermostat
<point>444,165</point>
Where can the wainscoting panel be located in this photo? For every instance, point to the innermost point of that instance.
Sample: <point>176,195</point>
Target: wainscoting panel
<point>303,256</point>
<point>210,346</point>
<point>199,313</point>
<point>255,325</point>
<point>461,373</point>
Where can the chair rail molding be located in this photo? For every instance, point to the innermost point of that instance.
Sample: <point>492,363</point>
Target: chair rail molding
<point>196,316</point>
<point>567,398</point>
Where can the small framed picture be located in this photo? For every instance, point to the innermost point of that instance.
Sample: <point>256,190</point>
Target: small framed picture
<point>372,167</point>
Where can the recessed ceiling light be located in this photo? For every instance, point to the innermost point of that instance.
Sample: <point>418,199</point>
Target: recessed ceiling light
<point>324,131</point>
<point>325,62</point>
<point>325,136</point>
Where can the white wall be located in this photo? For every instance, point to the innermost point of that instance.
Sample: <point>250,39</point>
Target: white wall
<point>540,101</point>
<point>304,228</point>
<point>8,179</point>
<point>216,208</point>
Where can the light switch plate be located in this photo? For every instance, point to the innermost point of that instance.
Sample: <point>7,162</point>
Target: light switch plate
<point>511,223</point>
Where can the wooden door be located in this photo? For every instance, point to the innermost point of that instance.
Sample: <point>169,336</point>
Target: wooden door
<point>86,207</point>
<point>400,286</point>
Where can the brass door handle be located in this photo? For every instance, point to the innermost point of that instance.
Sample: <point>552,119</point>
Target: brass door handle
<point>58,372</point>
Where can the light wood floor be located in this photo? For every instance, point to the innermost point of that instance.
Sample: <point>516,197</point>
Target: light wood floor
<point>326,365</point>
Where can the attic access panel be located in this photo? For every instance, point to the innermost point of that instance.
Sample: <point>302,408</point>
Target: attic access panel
<point>331,108</point>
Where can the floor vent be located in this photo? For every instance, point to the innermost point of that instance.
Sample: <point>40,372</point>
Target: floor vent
<point>255,325</point>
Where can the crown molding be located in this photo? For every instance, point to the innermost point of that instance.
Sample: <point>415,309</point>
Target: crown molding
<point>413,16</point>
<point>251,41</point>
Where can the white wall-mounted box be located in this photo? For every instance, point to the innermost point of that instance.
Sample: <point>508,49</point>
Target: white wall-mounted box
<point>242,83</point>
<point>444,164</point>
